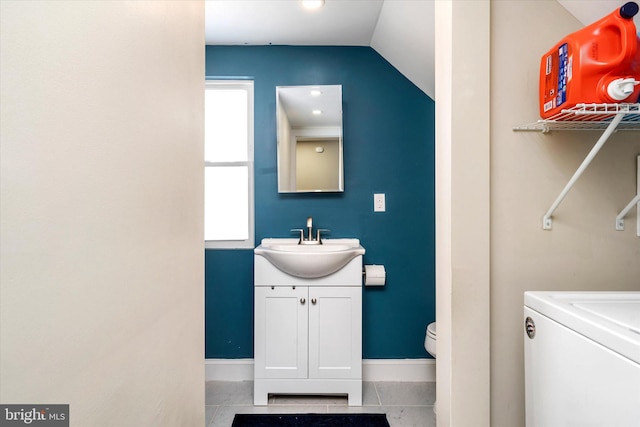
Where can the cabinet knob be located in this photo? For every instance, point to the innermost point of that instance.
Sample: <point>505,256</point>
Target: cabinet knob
<point>302,300</point>
<point>313,301</point>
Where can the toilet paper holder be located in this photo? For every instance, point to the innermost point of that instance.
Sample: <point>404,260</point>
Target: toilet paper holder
<point>374,275</point>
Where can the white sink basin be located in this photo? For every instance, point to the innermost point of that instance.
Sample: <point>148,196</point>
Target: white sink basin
<point>309,261</point>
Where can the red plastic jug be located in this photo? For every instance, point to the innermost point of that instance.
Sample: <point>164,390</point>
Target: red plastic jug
<point>597,64</point>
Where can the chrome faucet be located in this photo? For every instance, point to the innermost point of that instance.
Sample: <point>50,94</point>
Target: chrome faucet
<point>309,240</point>
<point>309,229</point>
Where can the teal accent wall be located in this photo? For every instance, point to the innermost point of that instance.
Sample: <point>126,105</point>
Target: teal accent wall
<point>389,133</point>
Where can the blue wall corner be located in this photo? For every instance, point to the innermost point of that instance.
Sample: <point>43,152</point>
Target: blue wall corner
<point>389,139</point>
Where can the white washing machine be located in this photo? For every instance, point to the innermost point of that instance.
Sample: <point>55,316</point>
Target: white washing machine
<point>582,359</point>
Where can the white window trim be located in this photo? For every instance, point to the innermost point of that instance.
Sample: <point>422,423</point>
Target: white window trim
<point>249,243</point>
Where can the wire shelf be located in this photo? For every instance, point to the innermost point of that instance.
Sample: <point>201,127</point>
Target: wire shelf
<point>588,117</point>
<point>603,117</point>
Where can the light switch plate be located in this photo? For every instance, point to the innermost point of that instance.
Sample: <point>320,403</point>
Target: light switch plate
<point>379,203</point>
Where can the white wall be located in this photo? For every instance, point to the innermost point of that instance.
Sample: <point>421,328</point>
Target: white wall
<point>101,291</point>
<point>462,213</point>
<point>528,170</point>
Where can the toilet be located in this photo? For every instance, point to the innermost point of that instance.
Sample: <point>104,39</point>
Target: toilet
<point>430,346</point>
<point>430,339</point>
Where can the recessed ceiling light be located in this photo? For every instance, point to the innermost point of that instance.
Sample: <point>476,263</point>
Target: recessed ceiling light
<point>317,112</point>
<point>312,4</point>
<point>315,92</point>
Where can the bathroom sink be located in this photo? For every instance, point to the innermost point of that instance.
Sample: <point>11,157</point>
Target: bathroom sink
<point>309,261</point>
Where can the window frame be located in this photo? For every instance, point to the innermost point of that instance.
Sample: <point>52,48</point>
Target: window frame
<point>248,86</point>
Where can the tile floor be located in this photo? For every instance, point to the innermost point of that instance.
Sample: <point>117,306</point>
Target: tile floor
<point>408,404</point>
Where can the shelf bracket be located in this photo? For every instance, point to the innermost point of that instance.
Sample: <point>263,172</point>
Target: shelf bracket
<point>634,201</point>
<point>547,220</point>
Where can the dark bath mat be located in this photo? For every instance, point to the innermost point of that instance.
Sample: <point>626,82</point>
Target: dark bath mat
<point>310,420</point>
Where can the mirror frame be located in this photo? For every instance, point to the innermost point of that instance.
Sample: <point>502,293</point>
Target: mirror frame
<point>295,124</point>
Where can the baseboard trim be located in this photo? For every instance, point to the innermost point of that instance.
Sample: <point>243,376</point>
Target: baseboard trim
<point>228,369</point>
<point>405,370</point>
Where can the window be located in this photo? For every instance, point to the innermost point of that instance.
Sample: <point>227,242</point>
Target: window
<point>228,164</point>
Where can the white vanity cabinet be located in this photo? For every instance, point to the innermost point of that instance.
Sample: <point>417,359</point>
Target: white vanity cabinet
<point>308,333</point>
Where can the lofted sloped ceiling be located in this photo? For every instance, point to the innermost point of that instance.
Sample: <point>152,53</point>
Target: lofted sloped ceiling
<point>286,22</point>
<point>405,36</point>
<point>401,31</point>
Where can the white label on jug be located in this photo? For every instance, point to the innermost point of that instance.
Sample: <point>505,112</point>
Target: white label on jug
<point>570,69</point>
<point>549,64</point>
<point>563,73</point>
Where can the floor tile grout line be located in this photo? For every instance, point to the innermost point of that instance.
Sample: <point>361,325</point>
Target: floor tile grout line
<point>214,415</point>
<point>375,387</point>
<point>318,405</point>
<point>330,405</point>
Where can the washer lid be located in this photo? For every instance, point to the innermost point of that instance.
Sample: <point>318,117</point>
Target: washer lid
<point>611,319</point>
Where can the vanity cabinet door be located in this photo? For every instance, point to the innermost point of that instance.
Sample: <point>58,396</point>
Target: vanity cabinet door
<point>335,332</point>
<point>281,326</point>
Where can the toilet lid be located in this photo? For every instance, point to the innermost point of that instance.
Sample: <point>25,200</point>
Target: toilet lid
<point>431,329</point>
